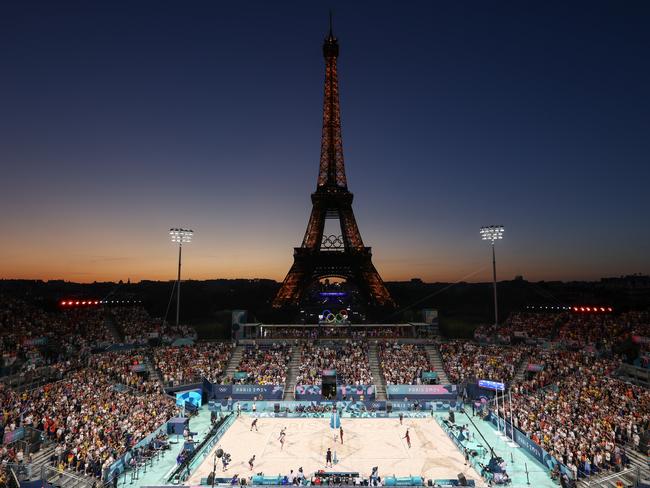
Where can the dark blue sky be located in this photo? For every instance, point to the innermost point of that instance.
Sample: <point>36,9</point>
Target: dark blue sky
<point>119,120</point>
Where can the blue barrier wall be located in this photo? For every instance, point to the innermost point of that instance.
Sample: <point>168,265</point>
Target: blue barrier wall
<point>346,407</point>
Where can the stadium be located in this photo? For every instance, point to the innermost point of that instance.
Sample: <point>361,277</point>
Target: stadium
<point>101,393</point>
<point>276,367</point>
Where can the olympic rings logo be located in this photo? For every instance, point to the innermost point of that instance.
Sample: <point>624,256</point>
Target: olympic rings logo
<point>338,318</point>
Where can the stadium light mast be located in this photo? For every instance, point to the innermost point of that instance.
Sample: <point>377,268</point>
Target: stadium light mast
<point>181,236</point>
<point>493,233</point>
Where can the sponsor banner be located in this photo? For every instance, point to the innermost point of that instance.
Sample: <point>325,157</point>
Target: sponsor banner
<point>36,341</point>
<point>355,392</point>
<point>491,385</point>
<point>243,392</point>
<point>14,435</point>
<point>429,375</point>
<point>535,368</point>
<point>240,375</point>
<point>308,392</point>
<point>138,368</point>
<point>328,372</point>
<point>535,450</point>
<point>422,392</point>
<point>266,392</point>
<point>640,339</point>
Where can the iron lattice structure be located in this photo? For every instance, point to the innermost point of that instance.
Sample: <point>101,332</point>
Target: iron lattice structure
<point>317,258</point>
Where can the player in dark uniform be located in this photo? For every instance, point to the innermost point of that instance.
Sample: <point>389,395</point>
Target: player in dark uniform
<point>401,418</point>
<point>251,462</point>
<point>328,458</point>
<point>341,434</point>
<point>254,424</point>
<point>408,438</point>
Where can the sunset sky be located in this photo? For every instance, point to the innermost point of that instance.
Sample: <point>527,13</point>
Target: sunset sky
<point>121,119</point>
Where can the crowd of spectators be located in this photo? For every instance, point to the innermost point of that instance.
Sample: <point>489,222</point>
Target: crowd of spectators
<point>126,368</point>
<point>31,337</point>
<point>603,330</point>
<point>523,325</point>
<point>468,361</point>
<point>265,365</point>
<point>138,326</point>
<point>532,324</point>
<point>88,324</point>
<point>349,359</point>
<point>581,416</point>
<point>544,366</point>
<point>91,421</point>
<point>582,329</point>
<point>403,364</point>
<point>190,364</point>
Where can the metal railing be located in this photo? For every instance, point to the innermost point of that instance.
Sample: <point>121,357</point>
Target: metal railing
<point>596,480</point>
<point>64,478</point>
<point>12,481</point>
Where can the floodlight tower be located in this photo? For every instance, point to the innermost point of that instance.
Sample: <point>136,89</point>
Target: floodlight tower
<point>493,233</point>
<point>182,236</point>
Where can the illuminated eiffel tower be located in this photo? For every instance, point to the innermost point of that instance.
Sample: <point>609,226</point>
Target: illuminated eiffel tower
<point>322,256</point>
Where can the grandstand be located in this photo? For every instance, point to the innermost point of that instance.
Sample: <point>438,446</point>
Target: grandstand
<point>103,394</point>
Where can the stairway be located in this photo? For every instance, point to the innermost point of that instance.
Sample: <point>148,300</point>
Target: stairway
<point>640,461</point>
<point>521,372</point>
<point>436,363</point>
<point>637,471</point>
<point>154,374</point>
<point>233,362</point>
<point>375,369</point>
<point>40,459</point>
<point>292,374</point>
<point>70,479</point>
<point>114,327</point>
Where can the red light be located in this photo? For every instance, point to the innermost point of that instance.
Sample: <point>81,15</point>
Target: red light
<point>609,309</point>
<point>588,309</point>
<point>63,303</point>
<point>96,302</point>
<point>575,309</point>
<point>76,303</point>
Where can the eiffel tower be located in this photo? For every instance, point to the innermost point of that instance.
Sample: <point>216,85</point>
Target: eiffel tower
<point>323,256</point>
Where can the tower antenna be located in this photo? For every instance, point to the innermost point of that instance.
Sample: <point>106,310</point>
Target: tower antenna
<point>331,35</point>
